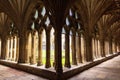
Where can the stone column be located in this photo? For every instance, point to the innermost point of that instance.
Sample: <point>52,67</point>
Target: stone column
<point>102,47</point>
<point>7,50</point>
<point>96,52</point>
<point>10,56</point>
<point>74,60</point>
<point>27,48</point>
<point>93,48</point>
<point>110,46</point>
<point>17,48</point>
<point>48,64</point>
<point>83,48</point>
<point>97,48</point>
<point>58,54</point>
<point>22,46</point>
<point>13,48</point>
<point>119,47</point>
<point>3,47</point>
<point>78,48</point>
<point>89,55</point>
<point>39,48</point>
<point>115,47</point>
<point>0,48</point>
<point>67,50</point>
<point>33,55</point>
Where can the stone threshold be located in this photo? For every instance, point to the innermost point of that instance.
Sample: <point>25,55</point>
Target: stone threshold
<point>50,73</point>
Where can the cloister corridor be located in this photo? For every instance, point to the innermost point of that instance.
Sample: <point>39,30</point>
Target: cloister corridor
<point>59,39</point>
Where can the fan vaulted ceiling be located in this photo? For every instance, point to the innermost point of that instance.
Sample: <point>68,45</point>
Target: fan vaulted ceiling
<point>90,11</point>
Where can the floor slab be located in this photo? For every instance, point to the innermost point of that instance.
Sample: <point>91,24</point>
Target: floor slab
<point>109,70</point>
<point>7,73</point>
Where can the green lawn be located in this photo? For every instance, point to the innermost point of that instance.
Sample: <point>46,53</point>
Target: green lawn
<point>52,57</point>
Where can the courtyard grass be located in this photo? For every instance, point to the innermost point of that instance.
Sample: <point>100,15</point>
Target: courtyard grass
<point>52,57</point>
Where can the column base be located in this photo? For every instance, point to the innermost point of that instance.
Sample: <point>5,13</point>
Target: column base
<point>39,63</point>
<point>68,65</point>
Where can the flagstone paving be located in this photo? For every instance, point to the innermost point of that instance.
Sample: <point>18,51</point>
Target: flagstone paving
<point>7,73</point>
<point>109,70</point>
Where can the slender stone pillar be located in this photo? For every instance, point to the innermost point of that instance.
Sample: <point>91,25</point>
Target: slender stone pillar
<point>11,51</point>
<point>22,46</point>
<point>96,53</point>
<point>58,54</point>
<point>74,60</point>
<point>7,49</point>
<point>119,47</point>
<point>17,48</point>
<point>93,48</point>
<point>67,50</point>
<point>89,55</point>
<point>78,48</point>
<point>39,48</point>
<point>115,47</point>
<point>110,46</point>
<point>27,48</point>
<point>48,64</point>
<point>13,48</point>
<point>0,48</point>
<point>83,48</point>
<point>102,47</point>
<point>10,55</point>
<point>33,55</point>
<point>3,48</point>
<point>27,54</point>
<point>107,48</point>
<point>97,48</point>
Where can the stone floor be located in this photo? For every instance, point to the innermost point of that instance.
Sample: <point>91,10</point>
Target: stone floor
<point>109,70</point>
<point>7,73</point>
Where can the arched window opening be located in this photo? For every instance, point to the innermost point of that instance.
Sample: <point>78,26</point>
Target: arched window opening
<point>67,21</point>
<point>79,26</point>
<point>76,15</point>
<point>70,37</point>
<point>52,44</point>
<point>33,26</point>
<point>43,12</point>
<point>43,47</point>
<point>70,12</point>
<point>63,46</point>
<point>47,22</point>
<point>36,14</point>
